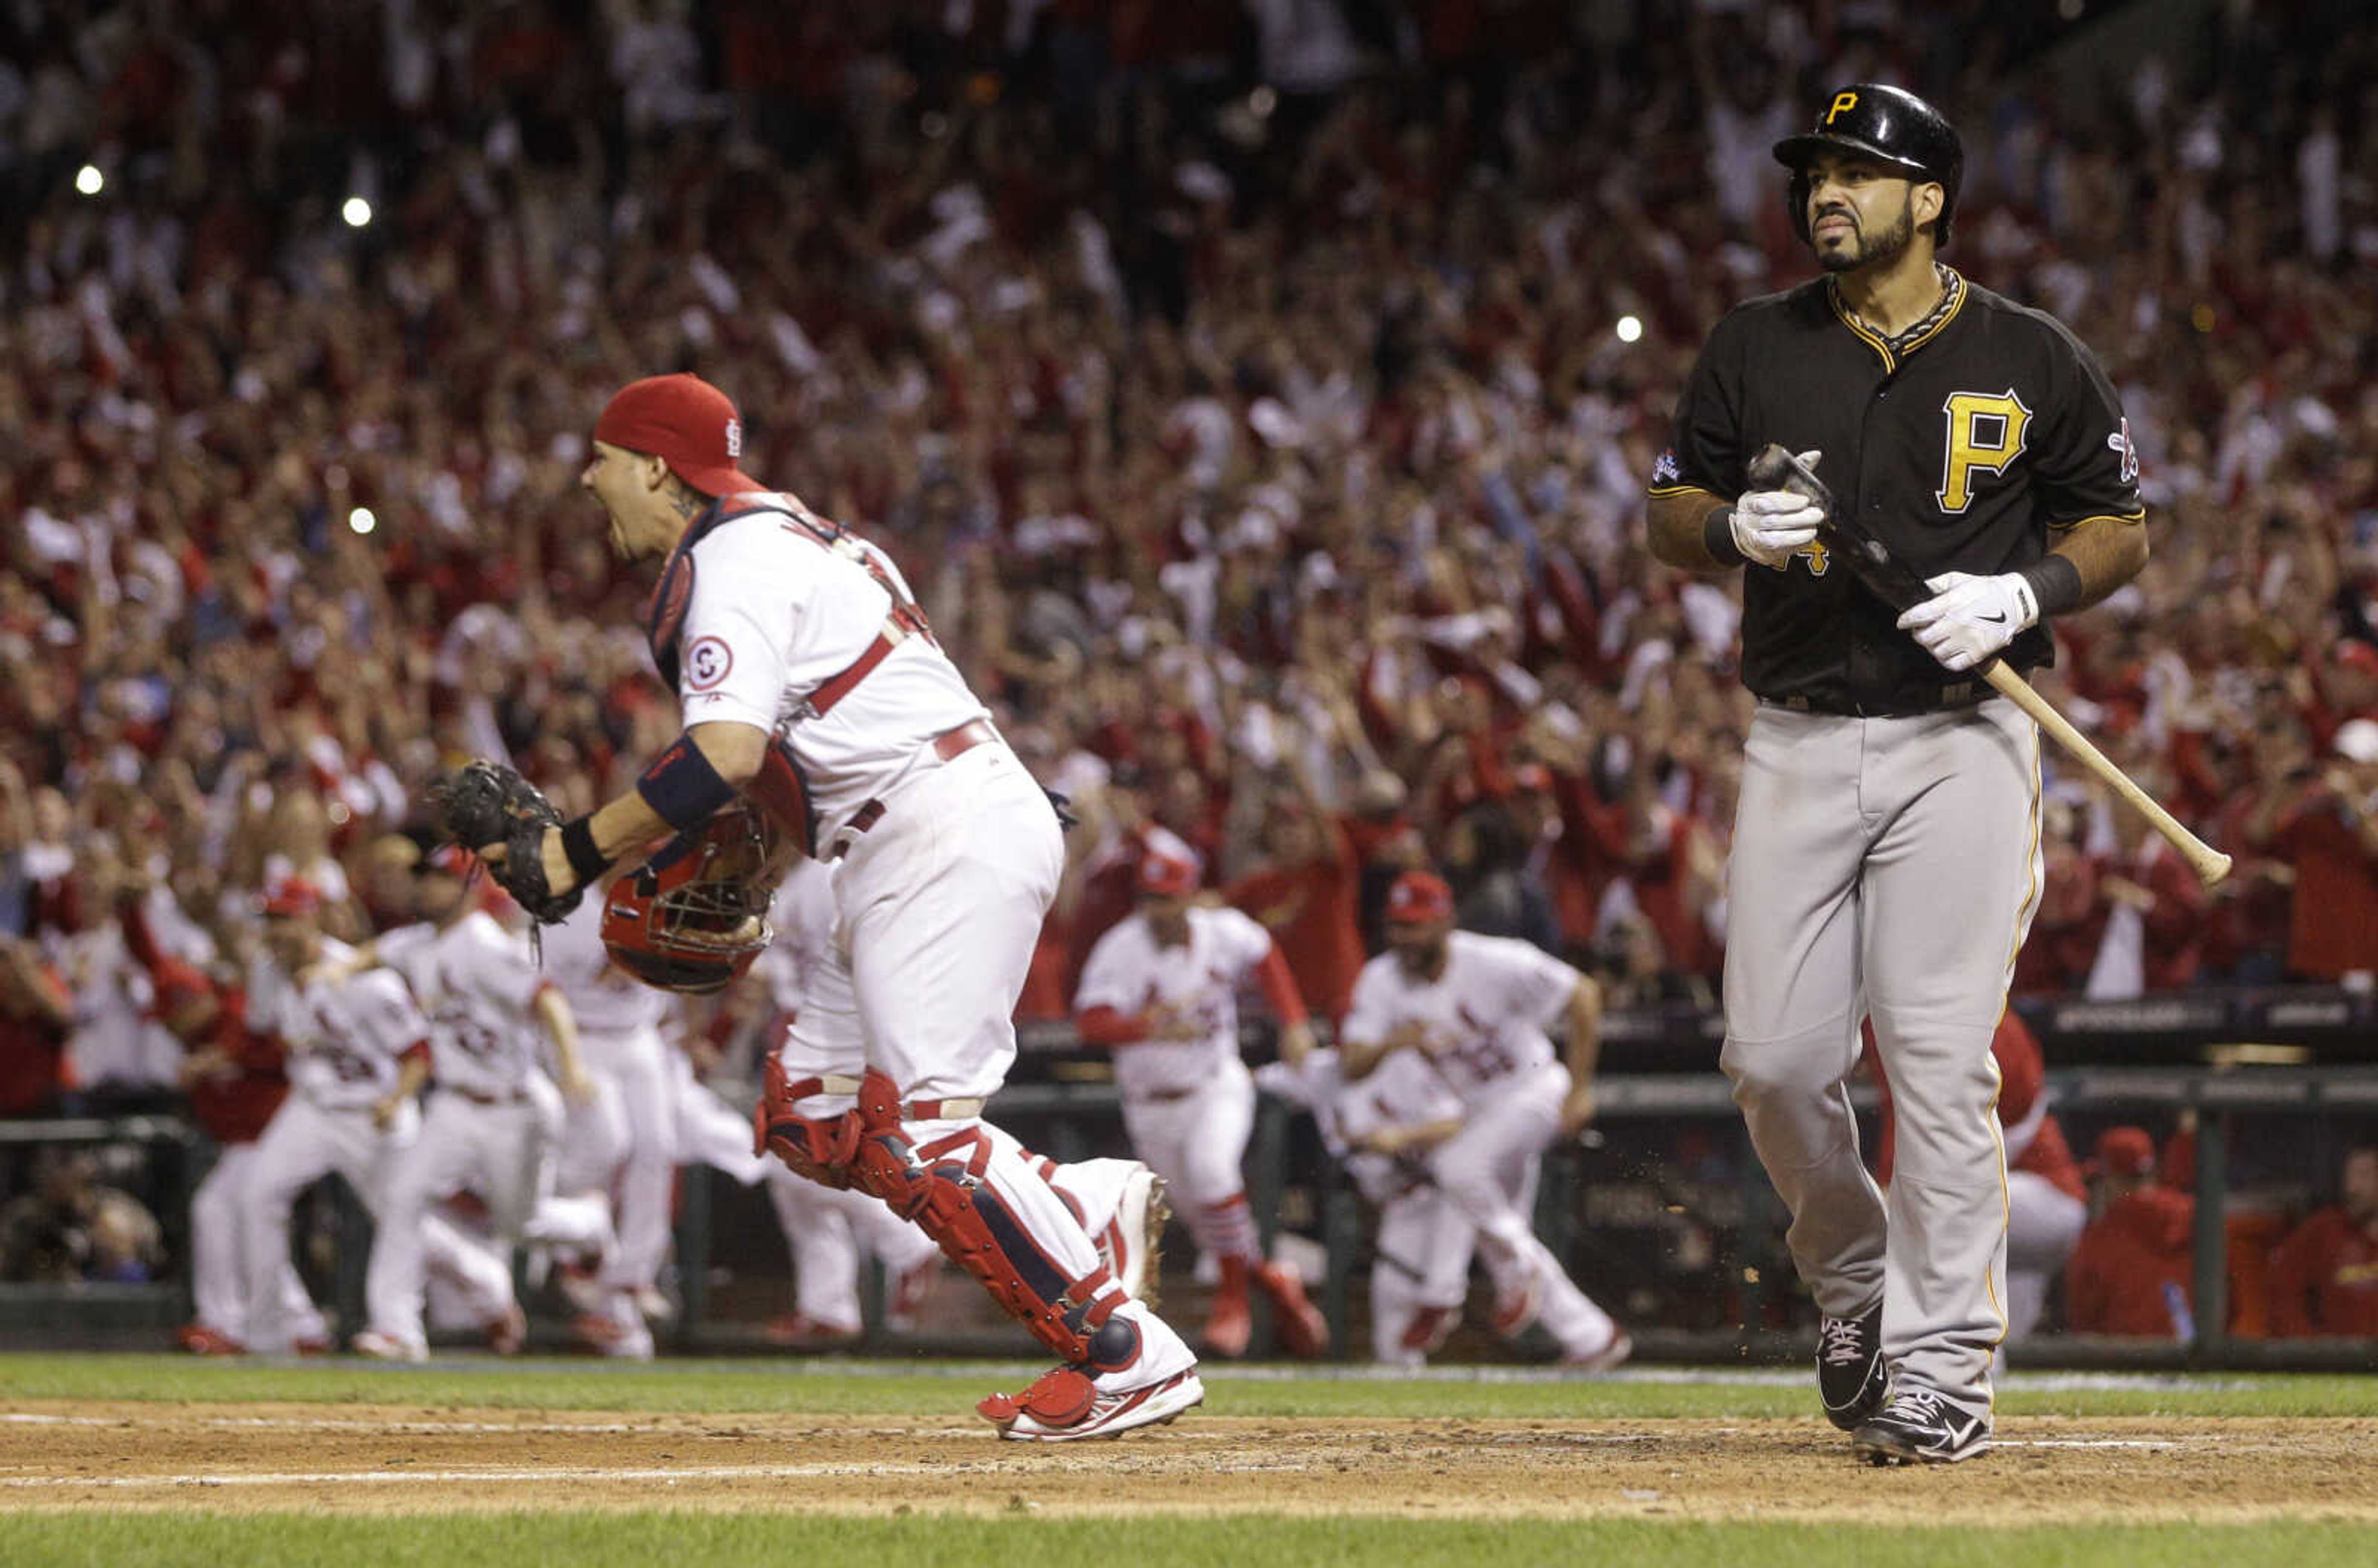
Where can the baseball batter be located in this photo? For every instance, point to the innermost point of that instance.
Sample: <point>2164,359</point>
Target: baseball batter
<point>1886,849</point>
<point>786,635</point>
<point>358,1051</point>
<point>1161,990</point>
<point>1474,1011</point>
<point>492,1118</point>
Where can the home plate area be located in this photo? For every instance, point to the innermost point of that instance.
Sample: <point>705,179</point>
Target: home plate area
<point>396,1459</point>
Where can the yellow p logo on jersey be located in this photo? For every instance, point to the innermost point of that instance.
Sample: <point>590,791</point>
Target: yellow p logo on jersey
<point>1842,103</point>
<point>1986,431</point>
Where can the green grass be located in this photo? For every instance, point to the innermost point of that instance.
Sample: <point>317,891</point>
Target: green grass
<point>879,1388</point>
<point>928,1540</point>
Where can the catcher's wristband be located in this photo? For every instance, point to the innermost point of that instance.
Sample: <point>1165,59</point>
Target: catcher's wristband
<point>1717,537</point>
<point>682,789</point>
<point>587,862</point>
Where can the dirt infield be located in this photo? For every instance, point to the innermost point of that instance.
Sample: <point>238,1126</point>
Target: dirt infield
<point>387,1459</point>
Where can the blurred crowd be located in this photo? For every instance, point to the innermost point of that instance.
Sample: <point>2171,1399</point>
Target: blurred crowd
<point>1260,396</point>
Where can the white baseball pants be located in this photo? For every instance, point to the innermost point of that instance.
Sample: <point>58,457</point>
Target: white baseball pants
<point>1489,1170</point>
<point>221,1213</point>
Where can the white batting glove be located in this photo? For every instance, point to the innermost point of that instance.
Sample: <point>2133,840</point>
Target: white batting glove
<point>1772,526</point>
<point>1968,618</point>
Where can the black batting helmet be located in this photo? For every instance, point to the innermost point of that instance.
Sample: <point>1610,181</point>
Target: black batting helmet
<point>1887,123</point>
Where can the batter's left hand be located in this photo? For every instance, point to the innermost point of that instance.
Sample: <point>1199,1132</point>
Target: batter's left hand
<point>1576,1110</point>
<point>1968,618</point>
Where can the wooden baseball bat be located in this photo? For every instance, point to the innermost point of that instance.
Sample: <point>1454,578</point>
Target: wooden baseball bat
<point>2209,864</point>
<point>1900,585</point>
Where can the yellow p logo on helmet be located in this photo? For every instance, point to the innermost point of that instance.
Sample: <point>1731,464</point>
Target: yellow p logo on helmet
<point>1842,103</point>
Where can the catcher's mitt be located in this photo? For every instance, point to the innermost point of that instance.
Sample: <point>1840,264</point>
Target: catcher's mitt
<point>484,803</point>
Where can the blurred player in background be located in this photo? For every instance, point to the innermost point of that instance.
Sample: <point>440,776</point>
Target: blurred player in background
<point>358,1051</point>
<point>1390,1125</point>
<point>493,1115</point>
<point>235,1082</point>
<point>1473,1011</point>
<point>2324,1275</point>
<point>623,1140</point>
<point>1160,990</point>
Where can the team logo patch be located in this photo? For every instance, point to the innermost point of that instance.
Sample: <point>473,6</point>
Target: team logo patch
<point>707,660</point>
<point>734,438</point>
<point>1667,471</point>
<point>2120,442</point>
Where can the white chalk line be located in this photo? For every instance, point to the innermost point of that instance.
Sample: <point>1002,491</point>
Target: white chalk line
<point>544,1476</point>
<point>419,1427</point>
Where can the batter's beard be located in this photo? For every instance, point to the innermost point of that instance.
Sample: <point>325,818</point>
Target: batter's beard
<point>1881,251</point>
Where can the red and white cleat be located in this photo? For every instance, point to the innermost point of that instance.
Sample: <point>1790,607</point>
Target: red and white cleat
<point>1296,1322</point>
<point>1151,1385</point>
<point>1067,1405</point>
<point>387,1347</point>
<point>799,1331</point>
<point>1615,1351</point>
<point>509,1334</point>
<point>201,1340</point>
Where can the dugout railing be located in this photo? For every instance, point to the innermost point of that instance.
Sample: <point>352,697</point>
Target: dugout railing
<point>1666,1161</point>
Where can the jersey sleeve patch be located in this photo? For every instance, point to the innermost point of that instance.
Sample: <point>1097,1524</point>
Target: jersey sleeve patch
<point>708,661</point>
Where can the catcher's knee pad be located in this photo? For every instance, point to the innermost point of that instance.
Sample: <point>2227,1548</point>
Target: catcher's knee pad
<point>941,1188</point>
<point>824,1149</point>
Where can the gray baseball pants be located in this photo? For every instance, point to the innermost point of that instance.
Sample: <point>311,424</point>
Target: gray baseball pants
<point>1890,868</point>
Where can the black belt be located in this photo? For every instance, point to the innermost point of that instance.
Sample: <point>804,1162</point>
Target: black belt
<point>1898,705</point>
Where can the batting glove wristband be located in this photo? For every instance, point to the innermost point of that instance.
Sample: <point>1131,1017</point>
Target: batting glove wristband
<point>1969,618</point>
<point>1772,526</point>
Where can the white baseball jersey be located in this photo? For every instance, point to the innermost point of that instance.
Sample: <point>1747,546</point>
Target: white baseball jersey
<point>805,917</point>
<point>609,1004</point>
<point>475,980</point>
<point>1129,970</point>
<point>775,613</point>
<point>344,1037</point>
<point>1403,1091</point>
<point>1484,1016</point>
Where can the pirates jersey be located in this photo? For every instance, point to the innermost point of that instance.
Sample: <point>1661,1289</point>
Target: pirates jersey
<point>1963,445</point>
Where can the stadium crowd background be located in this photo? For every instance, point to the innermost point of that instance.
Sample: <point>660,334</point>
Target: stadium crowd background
<point>1259,395</point>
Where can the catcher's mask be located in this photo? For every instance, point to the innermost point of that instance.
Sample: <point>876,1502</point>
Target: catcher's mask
<point>694,916</point>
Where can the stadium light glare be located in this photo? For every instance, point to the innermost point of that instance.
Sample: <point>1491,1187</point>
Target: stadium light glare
<point>1631,328</point>
<point>89,180</point>
<point>362,521</point>
<point>357,212</point>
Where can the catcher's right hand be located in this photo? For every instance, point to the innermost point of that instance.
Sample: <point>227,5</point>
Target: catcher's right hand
<point>1777,518</point>
<point>485,805</point>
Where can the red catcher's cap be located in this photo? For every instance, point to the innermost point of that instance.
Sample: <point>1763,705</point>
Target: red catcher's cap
<point>297,895</point>
<point>684,422</point>
<point>1419,897</point>
<point>1167,876</point>
<point>2123,1150</point>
